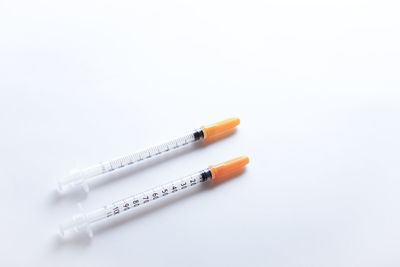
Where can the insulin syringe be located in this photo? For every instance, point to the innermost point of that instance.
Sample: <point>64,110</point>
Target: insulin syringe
<point>83,221</point>
<point>80,177</point>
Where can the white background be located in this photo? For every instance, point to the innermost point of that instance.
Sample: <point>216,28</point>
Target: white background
<point>315,84</point>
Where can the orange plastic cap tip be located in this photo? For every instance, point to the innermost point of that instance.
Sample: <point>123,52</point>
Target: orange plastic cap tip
<point>220,127</point>
<point>228,167</point>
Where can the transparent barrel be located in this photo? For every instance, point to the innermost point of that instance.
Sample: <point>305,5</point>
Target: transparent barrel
<point>82,221</point>
<point>79,177</point>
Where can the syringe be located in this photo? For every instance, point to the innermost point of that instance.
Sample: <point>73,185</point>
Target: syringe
<point>80,176</point>
<point>83,221</point>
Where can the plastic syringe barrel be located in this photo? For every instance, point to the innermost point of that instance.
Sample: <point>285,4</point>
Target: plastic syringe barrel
<point>79,177</point>
<point>82,221</point>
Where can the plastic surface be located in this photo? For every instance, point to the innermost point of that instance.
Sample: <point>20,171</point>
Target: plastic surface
<point>220,127</point>
<point>229,167</point>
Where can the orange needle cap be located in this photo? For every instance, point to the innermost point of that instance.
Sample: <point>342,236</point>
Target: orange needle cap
<point>220,127</point>
<point>228,167</point>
